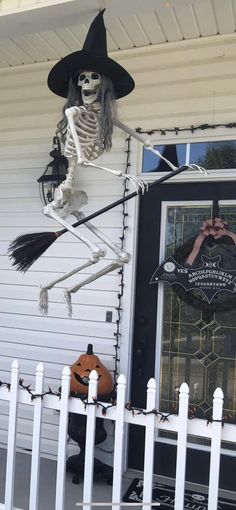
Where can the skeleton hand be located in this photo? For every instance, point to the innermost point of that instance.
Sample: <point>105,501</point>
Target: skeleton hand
<point>202,170</point>
<point>137,182</point>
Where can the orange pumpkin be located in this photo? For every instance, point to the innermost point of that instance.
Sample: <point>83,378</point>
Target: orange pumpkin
<point>81,369</point>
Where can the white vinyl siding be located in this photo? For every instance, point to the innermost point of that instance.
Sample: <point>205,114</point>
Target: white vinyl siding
<point>176,85</point>
<point>29,113</point>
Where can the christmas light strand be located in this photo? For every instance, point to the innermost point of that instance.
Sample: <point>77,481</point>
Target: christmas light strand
<point>191,129</point>
<point>111,402</point>
<point>117,333</point>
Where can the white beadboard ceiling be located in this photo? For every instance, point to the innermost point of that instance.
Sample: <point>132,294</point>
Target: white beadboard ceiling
<point>41,30</point>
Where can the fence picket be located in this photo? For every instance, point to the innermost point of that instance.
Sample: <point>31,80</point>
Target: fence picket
<point>35,459</point>
<point>181,446</point>
<point>215,449</point>
<point>118,443</point>
<point>179,423</point>
<point>62,440</point>
<point>11,443</point>
<point>90,440</point>
<point>149,445</point>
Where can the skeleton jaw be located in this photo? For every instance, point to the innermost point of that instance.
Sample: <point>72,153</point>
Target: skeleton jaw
<point>89,95</point>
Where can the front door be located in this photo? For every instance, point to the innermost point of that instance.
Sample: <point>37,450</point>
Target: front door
<point>175,341</point>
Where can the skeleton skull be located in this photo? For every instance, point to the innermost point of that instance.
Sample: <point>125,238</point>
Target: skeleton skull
<point>89,81</point>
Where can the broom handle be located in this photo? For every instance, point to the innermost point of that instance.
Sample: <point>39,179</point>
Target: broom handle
<point>124,199</point>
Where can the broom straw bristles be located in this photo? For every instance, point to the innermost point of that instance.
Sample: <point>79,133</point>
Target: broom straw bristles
<point>27,248</point>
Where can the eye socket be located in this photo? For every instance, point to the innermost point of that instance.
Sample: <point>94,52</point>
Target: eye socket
<point>81,77</point>
<point>95,76</point>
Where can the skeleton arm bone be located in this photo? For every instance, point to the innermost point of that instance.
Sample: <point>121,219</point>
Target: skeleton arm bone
<point>136,181</point>
<point>70,114</point>
<point>147,144</point>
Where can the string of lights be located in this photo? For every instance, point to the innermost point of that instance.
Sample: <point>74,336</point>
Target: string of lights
<point>111,402</point>
<point>190,129</point>
<point>117,333</point>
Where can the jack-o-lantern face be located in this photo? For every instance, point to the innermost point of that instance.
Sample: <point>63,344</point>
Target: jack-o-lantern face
<point>80,372</point>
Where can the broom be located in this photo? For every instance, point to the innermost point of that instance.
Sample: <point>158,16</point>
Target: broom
<point>27,248</point>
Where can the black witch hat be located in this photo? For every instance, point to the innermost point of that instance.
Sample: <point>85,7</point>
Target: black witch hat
<point>92,57</point>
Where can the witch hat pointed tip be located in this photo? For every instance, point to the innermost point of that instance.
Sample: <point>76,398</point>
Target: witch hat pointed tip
<point>96,40</point>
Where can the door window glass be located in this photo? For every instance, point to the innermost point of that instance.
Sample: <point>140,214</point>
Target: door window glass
<point>198,347</point>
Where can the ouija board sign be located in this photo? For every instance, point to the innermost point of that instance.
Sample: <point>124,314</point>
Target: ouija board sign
<point>202,271</point>
<point>210,278</point>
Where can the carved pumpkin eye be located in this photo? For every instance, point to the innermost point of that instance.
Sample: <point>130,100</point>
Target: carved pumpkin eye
<point>78,364</point>
<point>97,366</point>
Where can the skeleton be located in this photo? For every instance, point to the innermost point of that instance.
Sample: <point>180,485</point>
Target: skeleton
<point>83,145</point>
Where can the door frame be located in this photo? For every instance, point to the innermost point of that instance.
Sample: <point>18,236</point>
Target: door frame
<point>150,234</point>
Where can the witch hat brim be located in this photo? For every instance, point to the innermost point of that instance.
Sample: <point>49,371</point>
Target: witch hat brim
<point>92,57</point>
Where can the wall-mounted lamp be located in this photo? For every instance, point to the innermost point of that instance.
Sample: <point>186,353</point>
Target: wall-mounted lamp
<point>54,174</point>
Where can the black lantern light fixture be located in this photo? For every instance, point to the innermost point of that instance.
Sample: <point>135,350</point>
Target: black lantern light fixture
<point>54,174</point>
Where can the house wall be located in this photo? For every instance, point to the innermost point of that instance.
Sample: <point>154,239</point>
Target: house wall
<point>176,85</point>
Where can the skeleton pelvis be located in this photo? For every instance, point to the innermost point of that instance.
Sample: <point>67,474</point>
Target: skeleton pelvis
<point>66,201</point>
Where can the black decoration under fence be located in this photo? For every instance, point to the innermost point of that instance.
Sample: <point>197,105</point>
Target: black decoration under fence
<point>165,495</point>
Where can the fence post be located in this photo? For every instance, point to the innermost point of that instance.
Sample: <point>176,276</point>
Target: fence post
<point>118,444</point>
<point>62,439</point>
<point>35,459</point>
<point>11,443</point>
<point>181,446</point>
<point>149,445</point>
<point>90,439</point>
<point>216,425</point>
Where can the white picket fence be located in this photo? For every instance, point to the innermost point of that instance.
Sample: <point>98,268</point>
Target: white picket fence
<point>121,416</point>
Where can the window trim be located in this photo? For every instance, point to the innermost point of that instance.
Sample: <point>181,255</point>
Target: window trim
<point>217,135</point>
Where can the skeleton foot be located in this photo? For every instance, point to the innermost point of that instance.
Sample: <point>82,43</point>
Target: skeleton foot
<point>67,296</point>
<point>43,300</point>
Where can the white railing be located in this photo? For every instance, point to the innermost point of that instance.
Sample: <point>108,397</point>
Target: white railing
<point>121,416</point>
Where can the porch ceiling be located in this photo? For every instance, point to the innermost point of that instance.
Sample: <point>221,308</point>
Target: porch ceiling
<point>40,30</point>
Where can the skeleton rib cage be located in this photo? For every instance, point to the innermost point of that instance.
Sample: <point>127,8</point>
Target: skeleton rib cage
<point>88,132</point>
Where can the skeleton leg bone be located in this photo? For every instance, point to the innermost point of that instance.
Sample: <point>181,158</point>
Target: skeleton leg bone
<point>43,294</point>
<point>96,254</point>
<point>124,255</point>
<point>67,293</point>
<point>122,258</point>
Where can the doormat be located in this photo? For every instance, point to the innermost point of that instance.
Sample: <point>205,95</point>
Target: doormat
<point>165,495</point>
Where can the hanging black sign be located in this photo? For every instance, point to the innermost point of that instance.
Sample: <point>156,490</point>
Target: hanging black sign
<point>210,278</point>
<point>203,270</point>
